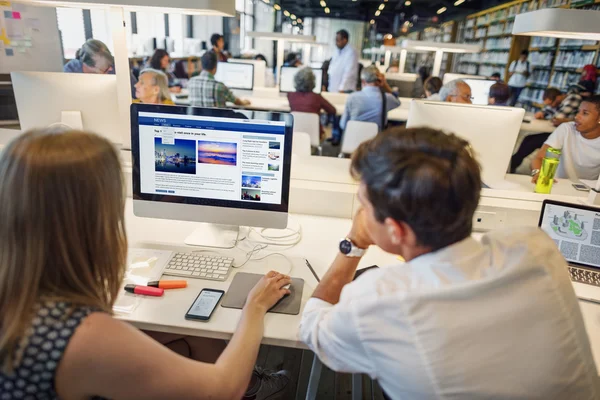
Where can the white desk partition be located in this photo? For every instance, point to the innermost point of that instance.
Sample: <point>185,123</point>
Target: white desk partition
<point>451,77</point>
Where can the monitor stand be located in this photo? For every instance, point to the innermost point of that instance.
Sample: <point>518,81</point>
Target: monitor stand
<point>213,235</point>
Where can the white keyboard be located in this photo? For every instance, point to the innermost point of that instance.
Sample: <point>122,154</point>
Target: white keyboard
<point>200,266</point>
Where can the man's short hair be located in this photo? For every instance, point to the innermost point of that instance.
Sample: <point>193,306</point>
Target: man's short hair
<point>370,74</point>
<point>594,99</point>
<point>500,92</point>
<point>433,84</point>
<point>209,61</point>
<point>551,94</point>
<point>423,177</point>
<point>496,75</point>
<point>344,34</point>
<point>214,39</point>
<point>450,88</point>
<point>525,53</point>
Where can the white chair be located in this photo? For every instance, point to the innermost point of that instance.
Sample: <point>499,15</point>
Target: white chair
<point>355,133</point>
<point>301,144</point>
<point>309,123</point>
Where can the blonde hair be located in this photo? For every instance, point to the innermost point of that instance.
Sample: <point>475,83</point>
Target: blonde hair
<point>62,230</point>
<point>159,79</point>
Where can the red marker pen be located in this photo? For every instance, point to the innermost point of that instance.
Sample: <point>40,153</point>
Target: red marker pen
<point>145,290</point>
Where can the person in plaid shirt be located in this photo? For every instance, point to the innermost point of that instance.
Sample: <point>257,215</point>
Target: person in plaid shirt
<point>205,91</point>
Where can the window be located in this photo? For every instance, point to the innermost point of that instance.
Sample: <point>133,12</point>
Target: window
<point>101,27</point>
<point>70,25</point>
<point>176,31</point>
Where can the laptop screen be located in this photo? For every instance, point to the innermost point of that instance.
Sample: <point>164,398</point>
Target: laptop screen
<point>575,230</point>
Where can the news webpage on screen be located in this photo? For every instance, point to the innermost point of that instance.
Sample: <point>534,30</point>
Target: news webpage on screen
<point>575,231</point>
<point>211,158</point>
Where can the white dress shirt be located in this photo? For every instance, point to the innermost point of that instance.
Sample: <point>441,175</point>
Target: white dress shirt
<point>519,80</point>
<point>496,319</point>
<point>343,70</point>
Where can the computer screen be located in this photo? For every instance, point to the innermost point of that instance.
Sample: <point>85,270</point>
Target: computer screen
<point>216,158</point>
<point>236,75</point>
<point>480,90</point>
<point>286,79</point>
<point>575,229</point>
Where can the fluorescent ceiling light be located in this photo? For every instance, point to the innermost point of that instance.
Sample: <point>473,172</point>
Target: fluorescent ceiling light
<point>425,45</point>
<point>224,8</point>
<point>299,20</point>
<point>381,7</point>
<point>372,22</point>
<point>286,13</point>
<point>377,13</point>
<point>559,23</point>
<point>282,36</point>
<point>458,2</point>
<point>277,7</point>
<point>441,10</point>
<point>323,4</point>
<point>407,3</point>
<point>293,16</point>
<point>327,11</point>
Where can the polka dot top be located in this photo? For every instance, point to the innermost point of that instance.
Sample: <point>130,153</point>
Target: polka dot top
<point>40,351</point>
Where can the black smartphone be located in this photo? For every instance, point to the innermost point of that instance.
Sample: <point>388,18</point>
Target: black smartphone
<point>204,305</point>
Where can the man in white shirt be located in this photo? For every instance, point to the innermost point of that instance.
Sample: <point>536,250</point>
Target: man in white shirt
<point>579,142</point>
<point>343,68</point>
<point>518,72</point>
<point>461,319</point>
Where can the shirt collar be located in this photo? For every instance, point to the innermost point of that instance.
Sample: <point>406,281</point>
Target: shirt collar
<point>450,255</point>
<point>207,75</point>
<point>371,89</point>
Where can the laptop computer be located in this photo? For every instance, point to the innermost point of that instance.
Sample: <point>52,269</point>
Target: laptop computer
<point>576,230</point>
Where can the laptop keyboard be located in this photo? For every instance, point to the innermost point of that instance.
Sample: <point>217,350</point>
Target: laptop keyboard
<point>584,276</point>
<point>192,265</point>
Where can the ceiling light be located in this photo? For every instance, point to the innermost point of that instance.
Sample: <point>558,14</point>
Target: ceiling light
<point>299,20</point>
<point>441,10</point>
<point>458,2</point>
<point>293,16</point>
<point>323,4</point>
<point>558,23</point>
<point>381,6</point>
<point>327,11</point>
<point>266,1</point>
<point>286,13</point>
<point>372,22</point>
<point>294,23</point>
<point>377,13</point>
<point>277,7</point>
<point>408,3</point>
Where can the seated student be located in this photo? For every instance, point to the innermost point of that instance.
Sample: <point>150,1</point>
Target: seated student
<point>579,142</point>
<point>217,42</point>
<point>153,88</point>
<point>499,95</point>
<point>94,57</point>
<point>205,91</point>
<point>367,105</point>
<point>432,87</point>
<point>461,318</point>
<point>292,60</point>
<point>551,98</point>
<point>304,99</point>
<point>161,61</point>
<point>496,77</point>
<point>63,260</point>
<point>456,91</point>
<point>269,76</point>
<point>423,72</point>
<point>568,106</point>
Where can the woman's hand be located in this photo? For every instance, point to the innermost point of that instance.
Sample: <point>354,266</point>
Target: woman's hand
<point>268,291</point>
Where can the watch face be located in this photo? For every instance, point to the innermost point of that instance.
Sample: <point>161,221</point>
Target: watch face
<point>345,246</point>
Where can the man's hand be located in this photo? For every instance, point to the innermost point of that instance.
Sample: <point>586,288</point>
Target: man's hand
<point>359,234</point>
<point>558,121</point>
<point>539,115</point>
<point>246,102</point>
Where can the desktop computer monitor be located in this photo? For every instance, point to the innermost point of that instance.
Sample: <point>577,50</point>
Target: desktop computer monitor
<point>480,90</point>
<point>451,77</point>
<point>260,68</point>
<point>286,81</point>
<point>209,165</point>
<point>238,76</point>
<point>80,101</point>
<point>491,131</point>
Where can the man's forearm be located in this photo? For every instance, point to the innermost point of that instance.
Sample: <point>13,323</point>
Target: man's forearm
<point>339,275</point>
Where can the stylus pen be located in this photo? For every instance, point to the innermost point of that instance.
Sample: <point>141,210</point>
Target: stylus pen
<point>312,270</point>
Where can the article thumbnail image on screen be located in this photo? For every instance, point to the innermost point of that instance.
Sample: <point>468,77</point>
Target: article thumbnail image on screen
<point>217,153</point>
<point>251,182</point>
<point>250,194</point>
<point>179,157</point>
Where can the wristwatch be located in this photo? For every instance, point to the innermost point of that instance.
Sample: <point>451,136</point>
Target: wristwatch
<point>349,249</point>
<point>535,172</point>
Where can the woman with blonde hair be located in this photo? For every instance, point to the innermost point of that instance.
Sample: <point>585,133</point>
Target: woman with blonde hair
<point>63,249</point>
<point>153,88</point>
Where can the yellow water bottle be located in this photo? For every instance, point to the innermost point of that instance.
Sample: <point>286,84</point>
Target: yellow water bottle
<point>548,171</point>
